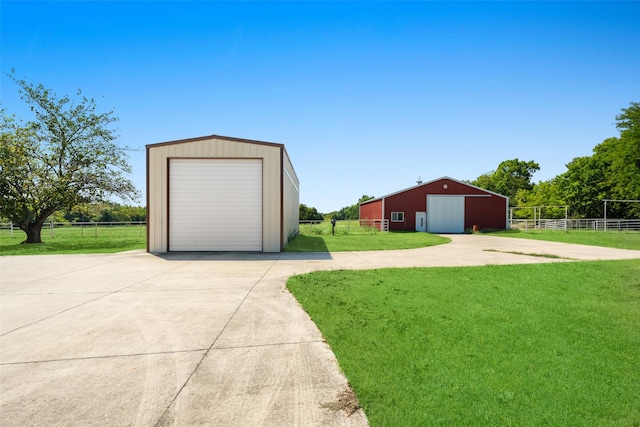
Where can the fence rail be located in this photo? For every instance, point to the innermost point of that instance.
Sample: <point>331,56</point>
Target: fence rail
<point>380,224</point>
<point>86,229</point>
<point>319,226</point>
<point>595,224</point>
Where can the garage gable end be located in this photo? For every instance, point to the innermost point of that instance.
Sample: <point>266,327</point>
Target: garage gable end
<point>450,206</point>
<point>218,193</point>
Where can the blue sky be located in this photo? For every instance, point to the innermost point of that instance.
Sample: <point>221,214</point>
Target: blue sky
<point>366,96</point>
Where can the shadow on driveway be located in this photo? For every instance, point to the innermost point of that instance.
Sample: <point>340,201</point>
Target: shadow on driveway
<point>244,256</point>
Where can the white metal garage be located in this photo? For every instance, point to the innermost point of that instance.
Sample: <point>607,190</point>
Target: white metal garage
<point>215,205</point>
<point>445,214</point>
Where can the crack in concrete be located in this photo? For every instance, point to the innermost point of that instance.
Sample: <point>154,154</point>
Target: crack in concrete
<point>208,350</point>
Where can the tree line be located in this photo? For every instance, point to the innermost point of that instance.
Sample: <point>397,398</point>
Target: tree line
<point>101,212</point>
<point>348,212</point>
<point>97,212</point>
<point>66,164</point>
<point>611,172</point>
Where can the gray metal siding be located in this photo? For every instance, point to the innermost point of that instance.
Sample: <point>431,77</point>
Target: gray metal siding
<point>445,214</point>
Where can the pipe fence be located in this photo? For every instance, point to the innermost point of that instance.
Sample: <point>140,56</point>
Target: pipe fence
<point>81,229</point>
<point>345,226</point>
<point>594,224</point>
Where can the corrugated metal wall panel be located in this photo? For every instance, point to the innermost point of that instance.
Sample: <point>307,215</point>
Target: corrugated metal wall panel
<point>488,213</point>
<point>445,214</point>
<point>291,202</point>
<point>371,210</point>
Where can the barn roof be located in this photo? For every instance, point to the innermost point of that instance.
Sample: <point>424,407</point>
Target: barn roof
<point>431,182</point>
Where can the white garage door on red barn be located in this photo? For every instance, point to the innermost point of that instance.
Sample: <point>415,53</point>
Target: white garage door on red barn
<point>445,214</point>
<point>215,205</point>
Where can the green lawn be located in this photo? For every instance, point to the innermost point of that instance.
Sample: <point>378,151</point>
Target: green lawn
<point>610,239</point>
<point>526,345</point>
<point>349,236</point>
<point>76,240</point>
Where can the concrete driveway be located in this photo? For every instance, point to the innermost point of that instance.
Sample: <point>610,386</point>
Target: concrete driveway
<point>192,339</point>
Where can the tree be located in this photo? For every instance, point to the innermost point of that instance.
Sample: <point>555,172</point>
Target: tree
<point>508,178</point>
<point>545,193</point>
<point>629,122</point>
<point>65,157</point>
<point>583,187</point>
<point>309,213</point>
<point>612,172</point>
<point>350,212</point>
<point>624,159</point>
<point>484,181</point>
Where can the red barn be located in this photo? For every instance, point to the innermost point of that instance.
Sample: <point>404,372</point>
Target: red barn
<point>444,205</point>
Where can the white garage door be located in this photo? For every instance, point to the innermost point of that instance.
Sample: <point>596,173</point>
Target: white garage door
<point>445,214</point>
<point>215,205</point>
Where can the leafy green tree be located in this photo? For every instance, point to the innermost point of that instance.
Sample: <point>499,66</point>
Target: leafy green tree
<point>583,187</point>
<point>309,213</point>
<point>510,177</point>
<point>134,213</point>
<point>545,193</point>
<point>65,157</point>
<point>101,212</point>
<point>114,212</point>
<point>83,212</point>
<point>350,212</point>
<point>484,181</point>
<point>623,157</point>
<point>629,122</point>
<point>612,172</point>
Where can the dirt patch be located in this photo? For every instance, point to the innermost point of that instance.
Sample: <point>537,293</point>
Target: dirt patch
<point>531,254</point>
<point>347,402</point>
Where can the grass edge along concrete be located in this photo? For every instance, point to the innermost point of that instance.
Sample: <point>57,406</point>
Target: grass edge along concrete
<point>500,345</point>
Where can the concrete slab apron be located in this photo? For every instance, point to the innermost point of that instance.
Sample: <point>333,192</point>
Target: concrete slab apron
<point>192,339</point>
<point>135,339</point>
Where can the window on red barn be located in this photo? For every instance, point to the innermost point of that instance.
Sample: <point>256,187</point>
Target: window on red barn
<point>397,216</point>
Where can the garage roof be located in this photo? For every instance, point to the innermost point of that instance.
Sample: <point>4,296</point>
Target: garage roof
<point>225,138</point>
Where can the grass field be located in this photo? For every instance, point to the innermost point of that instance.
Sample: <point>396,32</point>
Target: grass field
<point>525,345</point>
<point>73,240</point>
<point>349,236</point>
<point>610,239</point>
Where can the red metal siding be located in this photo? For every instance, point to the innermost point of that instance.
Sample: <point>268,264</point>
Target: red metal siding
<point>485,212</point>
<point>409,202</point>
<point>415,200</point>
<point>371,210</point>
<point>488,211</point>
